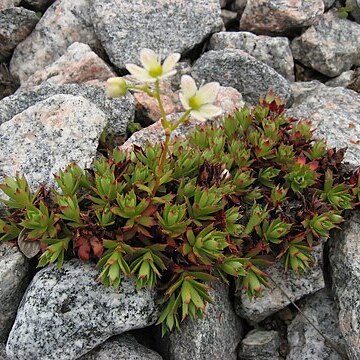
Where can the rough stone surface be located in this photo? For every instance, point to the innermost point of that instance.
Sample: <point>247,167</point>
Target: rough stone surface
<point>121,347</point>
<point>239,6</point>
<point>344,80</point>
<point>355,6</point>
<point>305,343</point>
<point>65,22</point>
<point>6,4</point>
<point>302,88</point>
<point>274,16</point>
<point>235,68</point>
<point>228,99</point>
<point>214,337</point>
<point>15,25</point>
<point>273,51</point>
<point>14,277</point>
<point>345,269</point>
<point>48,136</point>
<point>3,352</point>
<point>335,114</point>
<point>79,64</point>
<point>125,27</point>
<point>119,112</point>
<point>328,3</point>
<point>355,84</point>
<point>260,345</point>
<point>65,313</point>
<point>331,47</point>
<point>273,299</point>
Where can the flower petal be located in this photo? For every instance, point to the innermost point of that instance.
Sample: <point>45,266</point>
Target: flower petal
<point>170,62</point>
<point>197,115</point>
<point>184,101</point>
<point>149,59</point>
<point>138,72</point>
<point>209,110</point>
<point>188,86</point>
<point>208,93</point>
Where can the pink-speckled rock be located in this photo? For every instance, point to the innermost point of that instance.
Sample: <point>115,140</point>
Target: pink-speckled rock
<point>78,65</point>
<point>228,99</point>
<point>280,16</point>
<point>64,23</point>
<point>6,4</point>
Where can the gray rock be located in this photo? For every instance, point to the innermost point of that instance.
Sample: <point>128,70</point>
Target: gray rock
<point>335,114</point>
<point>345,273</point>
<point>15,25</point>
<point>7,4</point>
<point>214,337</point>
<point>328,4</point>
<point>121,347</point>
<point>79,64</point>
<point>239,6</point>
<point>48,136</point>
<point>344,80</point>
<point>260,345</point>
<point>229,17</point>
<point>119,112</point>
<point>280,17</point>
<point>3,352</point>
<point>273,51</point>
<point>63,23</point>
<point>355,6</point>
<point>273,299</point>
<point>14,278</point>
<point>331,47</point>
<point>39,5</point>
<point>65,313</point>
<point>304,341</point>
<point>235,68</point>
<point>125,27</point>
<point>302,88</point>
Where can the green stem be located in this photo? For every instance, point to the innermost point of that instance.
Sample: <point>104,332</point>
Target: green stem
<point>157,94</point>
<point>181,120</point>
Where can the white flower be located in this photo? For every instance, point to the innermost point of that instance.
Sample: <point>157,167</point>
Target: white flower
<point>116,86</point>
<point>152,69</point>
<point>199,101</point>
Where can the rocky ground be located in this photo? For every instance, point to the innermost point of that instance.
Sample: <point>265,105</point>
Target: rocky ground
<point>54,59</point>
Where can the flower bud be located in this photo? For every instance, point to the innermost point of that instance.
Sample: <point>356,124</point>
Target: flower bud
<point>116,87</point>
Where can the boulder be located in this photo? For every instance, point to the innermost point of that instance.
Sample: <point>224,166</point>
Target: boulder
<point>331,46</point>
<point>48,136</point>
<point>65,313</point>
<point>79,64</point>
<point>214,337</point>
<point>121,347</point>
<point>345,273</point>
<point>7,4</point>
<point>344,79</point>
<point>125,27</point>
<point>63,23</point>
<point>16,24</point>
<point>280,17</point>
<point>335,115</point>
<point>14,278</point>
<point>305,342</point>
<point>273,299</point>
<point>273,51</point>
<point>235,68</point>
<point>354,5</point>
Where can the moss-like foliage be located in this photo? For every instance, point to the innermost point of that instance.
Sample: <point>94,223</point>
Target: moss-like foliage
<point>230,199</point>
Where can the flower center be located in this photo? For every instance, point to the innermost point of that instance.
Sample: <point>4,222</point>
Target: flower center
<point>194,103</point>
<point>156,71</point>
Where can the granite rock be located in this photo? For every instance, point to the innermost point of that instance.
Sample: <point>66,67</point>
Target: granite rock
<point>121,347</point>
<point>335,115</point>
<point>355,6</point>
<point>301,89</point>
<point>228,100</point>
<point>328,4</point>
<point>15,25</point>
<point>7,4</point>
<point>345,273</point>
<point>235,68</point>
<point>48,136</point>
<point>119,112</point>
<point>273,51</point>
<point>260,345</point>
<point>331,47</point>
<point>214,337</point>
<point>355,83</point>
<point>63,23</point>
<point>79,64</point>
<point>239,6</point>
<point>305,343</point>
<point>273,299</point>
<point>14,278</point>
<point>125,27</point>
<point>65,313</point>
<point>3,351</point>
<point>344,79</point>
<point>280,17</point>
